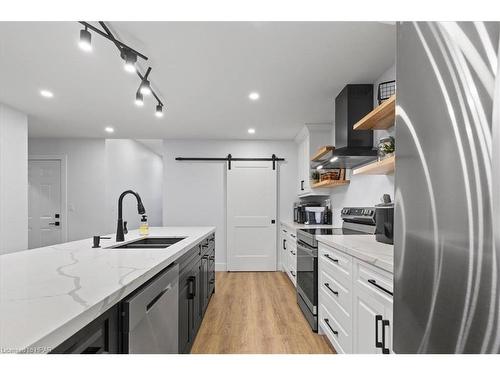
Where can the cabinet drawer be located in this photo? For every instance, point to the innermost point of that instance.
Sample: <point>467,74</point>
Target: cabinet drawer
<point>339,336</point>
<point>335,263</point>
<point>337,294</point>
<point>373,281</point>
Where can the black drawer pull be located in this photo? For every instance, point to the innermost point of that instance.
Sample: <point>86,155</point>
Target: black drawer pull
<point>284,244</point>
<point>293,273</point>
<point>330,258</point>
<point>331,290</point>
<point>329,326</point>
<point>293,252</point>
<point>374,283</point>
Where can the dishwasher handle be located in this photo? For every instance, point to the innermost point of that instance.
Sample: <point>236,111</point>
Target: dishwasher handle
<point>150,305</point>
<point>141,302</point>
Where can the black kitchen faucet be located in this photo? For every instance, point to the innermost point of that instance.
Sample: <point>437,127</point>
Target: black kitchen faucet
<point>140,209</point>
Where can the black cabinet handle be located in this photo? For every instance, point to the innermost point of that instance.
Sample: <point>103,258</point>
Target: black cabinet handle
<point>331,290</point>
<point>378,344</point>
<point>293,252</point>
<point>302,185</point>
<point>385,323</point>
<point>293,273</point>
<point>284,244</point>
<point>330,258</point>
<point>374,283</point>
<point>192,287</point>
<point>329,326</point>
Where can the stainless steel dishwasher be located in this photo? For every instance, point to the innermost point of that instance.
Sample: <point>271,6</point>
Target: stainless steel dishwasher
<point>151,315</point>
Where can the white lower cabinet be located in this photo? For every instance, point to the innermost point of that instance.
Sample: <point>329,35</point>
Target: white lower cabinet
<point>288,253</point>
<point>355,303</point>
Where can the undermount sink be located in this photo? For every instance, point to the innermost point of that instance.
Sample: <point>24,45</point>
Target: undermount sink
<point>149,243</point>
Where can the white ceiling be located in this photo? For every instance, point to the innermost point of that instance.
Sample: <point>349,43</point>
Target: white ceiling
<point>203,70</point>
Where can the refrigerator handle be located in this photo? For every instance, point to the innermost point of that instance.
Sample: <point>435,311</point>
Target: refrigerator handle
<point>378,344</point>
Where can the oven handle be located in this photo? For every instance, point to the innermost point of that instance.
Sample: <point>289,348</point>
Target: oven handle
<point>306,250</point>
<point>306,245</point>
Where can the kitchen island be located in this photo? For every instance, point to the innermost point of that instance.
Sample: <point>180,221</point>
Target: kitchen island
<point>50,293</point>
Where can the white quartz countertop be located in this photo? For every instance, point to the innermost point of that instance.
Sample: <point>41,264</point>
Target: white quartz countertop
<point>293,225</point>
<point>363,247</point>
<point>48,294</point>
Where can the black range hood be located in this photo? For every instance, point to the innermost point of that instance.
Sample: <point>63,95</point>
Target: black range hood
<point>353,148</point>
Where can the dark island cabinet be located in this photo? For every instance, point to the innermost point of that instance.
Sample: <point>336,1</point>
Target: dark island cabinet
<point>197,282</point>
<point>101,336</point>
<point>196,286</point>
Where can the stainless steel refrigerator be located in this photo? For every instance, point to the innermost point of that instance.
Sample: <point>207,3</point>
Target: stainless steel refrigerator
<point>447,188</point>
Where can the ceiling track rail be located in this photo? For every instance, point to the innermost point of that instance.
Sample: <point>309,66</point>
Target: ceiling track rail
<point>229,158</point>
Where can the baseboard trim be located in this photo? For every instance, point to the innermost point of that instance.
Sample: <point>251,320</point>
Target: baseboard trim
<point>220,266</point>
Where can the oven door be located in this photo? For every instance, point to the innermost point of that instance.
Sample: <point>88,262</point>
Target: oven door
<point>307,275</point>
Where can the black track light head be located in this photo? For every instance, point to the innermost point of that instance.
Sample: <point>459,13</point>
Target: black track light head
<point>159,110</point>
<point>139,99</point>
<point>85,42</point>
<point>145,87</point>
<point>130,60</point>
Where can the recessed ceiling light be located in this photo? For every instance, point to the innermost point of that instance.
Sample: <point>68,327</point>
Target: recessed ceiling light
<point>251,131</point>
<point>46,94</point>
<point>254,96</point>
<point>335,158</point>
<point>109,129</point>
<point>319,167</point>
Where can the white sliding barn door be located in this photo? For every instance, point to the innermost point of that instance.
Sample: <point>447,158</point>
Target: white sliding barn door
<point>251,216</point>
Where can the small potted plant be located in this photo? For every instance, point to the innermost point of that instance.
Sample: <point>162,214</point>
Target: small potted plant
<point>386,147</point>
<point>314,176</point>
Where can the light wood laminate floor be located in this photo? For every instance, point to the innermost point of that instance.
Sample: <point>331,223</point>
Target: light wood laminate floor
<point>256,312</point>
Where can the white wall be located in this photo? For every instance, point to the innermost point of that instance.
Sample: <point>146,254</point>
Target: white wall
<point>98,171</point>
<point>194,192</point>
<point>13,180</point>
<point>365,190</point>
<point>131,165</point>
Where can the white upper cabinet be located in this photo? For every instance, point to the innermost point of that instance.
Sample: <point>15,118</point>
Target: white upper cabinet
<point>309,139</point>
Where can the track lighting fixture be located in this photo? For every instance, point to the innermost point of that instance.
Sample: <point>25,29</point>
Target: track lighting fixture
<point>85,40</point>
<point>139,99</point>
<point>129,56</point>
<point>159,111</point>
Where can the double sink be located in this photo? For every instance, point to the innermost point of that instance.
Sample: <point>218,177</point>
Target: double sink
<point>150,243</point>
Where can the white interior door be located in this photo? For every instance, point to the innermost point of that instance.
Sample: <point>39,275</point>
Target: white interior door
<point>251,216</point>
<point>44,203</point>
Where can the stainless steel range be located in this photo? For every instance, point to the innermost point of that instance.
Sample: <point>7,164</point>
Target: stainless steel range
<point>355,220</point>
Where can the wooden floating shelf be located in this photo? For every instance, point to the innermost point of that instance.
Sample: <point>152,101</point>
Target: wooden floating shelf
<point>381,117</point>
<point>384,166</point>
<point>330,183</point>
<point>322,152</point>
